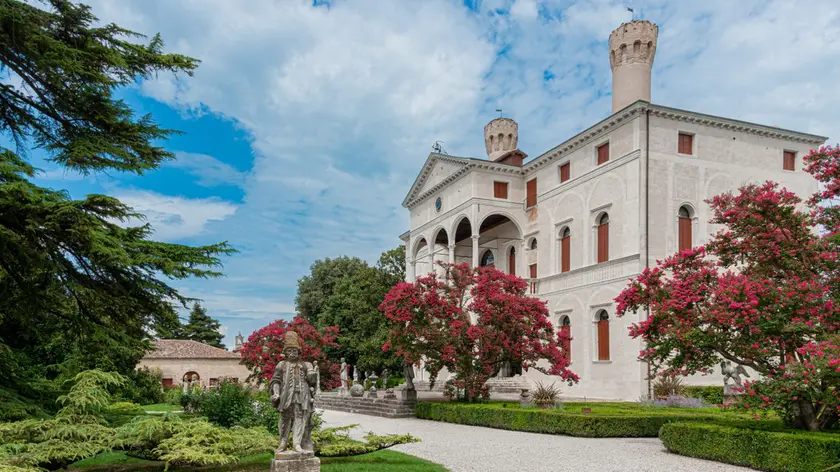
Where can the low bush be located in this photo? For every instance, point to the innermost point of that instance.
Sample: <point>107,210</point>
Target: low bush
<point>631,423</point>
<point>677,401</point>
<point>142,386</point>
<point>665,387</point>
<point>712,395</point>
<point>229,405</point>
<point>792,451</point>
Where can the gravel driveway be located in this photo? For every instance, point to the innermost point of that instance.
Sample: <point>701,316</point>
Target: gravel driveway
<point>475,449</point>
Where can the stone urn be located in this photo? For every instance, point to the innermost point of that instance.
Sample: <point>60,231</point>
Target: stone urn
<point>525,399</point>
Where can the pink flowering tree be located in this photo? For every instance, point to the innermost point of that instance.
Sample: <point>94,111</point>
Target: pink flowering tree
<point>763,293</point>
<point>264,349</point>
<point>472,321</point>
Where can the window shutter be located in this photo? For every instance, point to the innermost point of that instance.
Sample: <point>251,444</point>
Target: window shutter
<point>565,254</point>
<point>512,263</point>
<point>685,234</point>
<point>531,190</point>
<point>686,142</point>
<point>565,172</point>
<point>603,153</point>
<point>604,340</point>
<point>500,190</point>
<point>790,160</point>
<point>567,344</point>
<point>603,242</point>
<point>533,269</point>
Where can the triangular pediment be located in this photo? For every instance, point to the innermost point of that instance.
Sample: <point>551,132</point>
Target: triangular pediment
<point>437,169</point>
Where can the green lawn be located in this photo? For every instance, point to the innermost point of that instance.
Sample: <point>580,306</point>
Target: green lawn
<point>380,461</point>
<point>162,407</point>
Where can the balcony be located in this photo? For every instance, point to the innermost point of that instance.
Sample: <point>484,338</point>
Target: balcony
<point>618,269</point>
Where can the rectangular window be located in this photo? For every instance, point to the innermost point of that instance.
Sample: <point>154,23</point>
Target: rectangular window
<point>790,160</point>
<point>565,254</point>
<point>166,382</point>
<point>603,340</point>
<point>533,273</point>
<point>565,172</point>
<point>603,242</point>
<point>603,153</point>
<point>500,190</point>
<point>531,193</point>
<point>686,144</point>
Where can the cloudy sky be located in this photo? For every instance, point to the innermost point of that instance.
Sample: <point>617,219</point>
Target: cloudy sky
<point>307,122</point>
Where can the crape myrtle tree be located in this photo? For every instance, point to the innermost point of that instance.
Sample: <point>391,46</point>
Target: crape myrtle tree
<point>763,292</point>
<point>264,349</point>
<point>471,321</point>
<point>79,285</point>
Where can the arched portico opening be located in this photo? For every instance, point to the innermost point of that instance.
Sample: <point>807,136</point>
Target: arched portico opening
<point>500,234</point>
<point>440,249</point>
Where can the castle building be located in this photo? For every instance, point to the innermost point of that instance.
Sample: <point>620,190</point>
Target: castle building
<point>580,219</point>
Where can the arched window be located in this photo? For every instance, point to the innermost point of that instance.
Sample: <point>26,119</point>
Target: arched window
<point>603,320</point>
<point>685,236</point>
<point>512,261</point>
<point>566,327</point>
<point>533,244</point>
<point>487,260</point>
<point>603,238</point>
<point>565,250</point>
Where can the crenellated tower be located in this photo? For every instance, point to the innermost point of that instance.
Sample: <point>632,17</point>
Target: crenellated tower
<point>501,137</point>
<point>632,48</point>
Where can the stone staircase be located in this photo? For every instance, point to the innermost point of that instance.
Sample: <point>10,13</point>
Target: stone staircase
<point>385,407</point>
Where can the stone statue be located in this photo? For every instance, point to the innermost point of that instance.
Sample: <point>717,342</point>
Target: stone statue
<point>421,369</point>
<point>734,374</point>
<point>292,387</point>
<point>385,375</point>
<point>355,375</point>
<point>343,390</point>
<point>317,379</point>
<point>408,370</point>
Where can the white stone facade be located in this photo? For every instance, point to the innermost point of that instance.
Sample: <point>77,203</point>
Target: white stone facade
<point>641,187</point>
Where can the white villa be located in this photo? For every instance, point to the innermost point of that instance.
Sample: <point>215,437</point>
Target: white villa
<point>582,218</point>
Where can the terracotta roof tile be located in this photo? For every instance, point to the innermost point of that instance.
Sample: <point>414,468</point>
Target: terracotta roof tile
<point>187,349</point>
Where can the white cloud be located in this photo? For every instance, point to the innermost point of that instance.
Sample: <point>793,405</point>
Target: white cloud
<point>174,218</point>
<point>343,103</point>
<point>210,171</point>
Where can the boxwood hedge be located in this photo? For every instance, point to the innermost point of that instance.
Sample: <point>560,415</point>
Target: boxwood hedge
<point>792,451</point>
<point>637,424</point>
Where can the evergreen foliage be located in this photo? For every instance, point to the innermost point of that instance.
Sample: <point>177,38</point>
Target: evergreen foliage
<point>203,328</point>
<point>79,286</point>
<point>347,292</point>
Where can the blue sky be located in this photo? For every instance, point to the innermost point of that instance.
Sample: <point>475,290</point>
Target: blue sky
<point>307,122</point>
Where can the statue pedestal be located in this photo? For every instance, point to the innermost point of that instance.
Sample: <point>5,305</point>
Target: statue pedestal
<point>291,461</point>
<point>409,395</point>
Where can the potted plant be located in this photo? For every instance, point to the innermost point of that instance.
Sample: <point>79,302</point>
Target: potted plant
<point>545,396</point>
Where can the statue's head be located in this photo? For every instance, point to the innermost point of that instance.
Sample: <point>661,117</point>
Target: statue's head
<point>291,346</point>
<point>292,353</point>
<point>342,360</point>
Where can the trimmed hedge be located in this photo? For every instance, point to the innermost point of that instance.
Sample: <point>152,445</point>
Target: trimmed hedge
<point>796,451</point>
<point>709,394</point>
<point>553,421</point>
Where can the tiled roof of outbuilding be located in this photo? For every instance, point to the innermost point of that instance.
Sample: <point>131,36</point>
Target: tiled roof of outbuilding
<point>187,349</point>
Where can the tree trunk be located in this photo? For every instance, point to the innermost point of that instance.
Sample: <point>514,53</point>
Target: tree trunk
<point>805,416</point>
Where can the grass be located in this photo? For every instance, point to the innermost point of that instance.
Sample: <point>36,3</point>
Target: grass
<point>161,407</point>
<point>380,461</point>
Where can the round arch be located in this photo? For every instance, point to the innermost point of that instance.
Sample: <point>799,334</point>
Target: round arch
<point>692,212</point>
<point>616,190</point>
<point>437,233</point>
<point>461,228</point>
<point>506,215</point>
<point>418,245</point>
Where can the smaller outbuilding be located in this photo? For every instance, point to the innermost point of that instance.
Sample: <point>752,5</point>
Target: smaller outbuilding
<point>181,361</point>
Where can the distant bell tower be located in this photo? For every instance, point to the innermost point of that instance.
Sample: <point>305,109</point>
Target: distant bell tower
<point>632,47</point>
<point>501,137</point>
<point>239,340</point>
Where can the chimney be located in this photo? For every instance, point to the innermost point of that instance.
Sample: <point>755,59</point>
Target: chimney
<point>500,139</point>
<point>632,47</point>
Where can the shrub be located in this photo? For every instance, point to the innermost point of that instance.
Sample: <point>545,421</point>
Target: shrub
<point>172,396</point>
<point>553,421</point>
<point>668,386</point>
<point>711,394</point>
<point>142,386</point>
<point>676,401</point>
<point>543,396</point>
<point>765,450</point>
<point>229,405</point>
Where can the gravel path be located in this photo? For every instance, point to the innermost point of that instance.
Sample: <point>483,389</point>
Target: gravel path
<point>474,449</point>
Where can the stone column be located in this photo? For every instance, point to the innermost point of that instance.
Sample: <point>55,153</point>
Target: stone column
<point>451,253</point>
<point>432,268</point>
<point>475,261</point>
<point>410,276</point>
